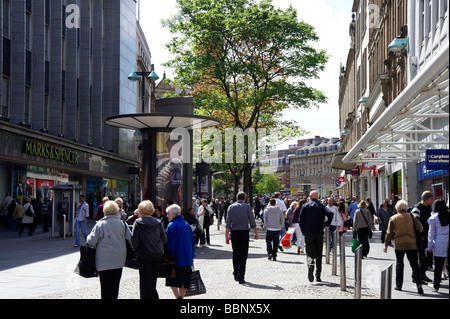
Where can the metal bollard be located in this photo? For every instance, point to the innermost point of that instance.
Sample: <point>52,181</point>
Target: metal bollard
<point>342,256</point>
<point>334,261</point>
<point>327,245</point>
<point>386,283</point>
<point>358,271</point>
<point>64,226</point>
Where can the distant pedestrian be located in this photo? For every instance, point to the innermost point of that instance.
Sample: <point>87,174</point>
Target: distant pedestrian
<point>363,224</point>
<point>205,214</point>
<point>27,219</point>
<point>384,214</point>
<point>190,218</point>
<point>274,221</point>
<point>343,215</point>
<point>122,214</point>
<point>10,216</point>
<point>81,216</point>
<point>238,218</point>
<point>299,237</point>
<point>336,222</point>
<point>312,223</point>
<point>282,205</point>
<point>159,215</point>
<point>401,225</point>
<point>148,239</point>
<point>99,212</point>
<point>422,211</point>
<point>352,209</point>
<point>180,244</point>
<point>46,210</point>
<point>438,240</point>
<point>108,237</point>
<point>18,214</point>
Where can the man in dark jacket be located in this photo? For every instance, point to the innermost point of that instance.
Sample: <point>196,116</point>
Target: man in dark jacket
<point>422,210</point>
<point>312,223</point>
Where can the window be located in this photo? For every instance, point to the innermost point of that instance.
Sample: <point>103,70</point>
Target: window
<point>28,28</point>
<point>5,98</point>
<point>27,105</point>
<point>6,18</point>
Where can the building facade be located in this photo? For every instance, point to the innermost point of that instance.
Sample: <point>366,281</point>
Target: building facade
<point>310,167</point>
<point>394,100</point>
<point>65,65</point>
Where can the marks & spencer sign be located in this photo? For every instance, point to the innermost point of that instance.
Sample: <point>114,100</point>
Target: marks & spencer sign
<point>51,152</point>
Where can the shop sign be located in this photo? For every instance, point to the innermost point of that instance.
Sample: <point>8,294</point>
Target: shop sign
<point>437,159</point>
<point>51,152</point>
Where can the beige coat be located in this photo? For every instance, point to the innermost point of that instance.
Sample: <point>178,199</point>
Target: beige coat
<point>401,225</point>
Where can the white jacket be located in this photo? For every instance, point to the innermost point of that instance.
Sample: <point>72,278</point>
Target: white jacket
<point>27,219</point>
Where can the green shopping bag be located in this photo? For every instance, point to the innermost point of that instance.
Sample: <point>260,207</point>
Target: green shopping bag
<point>355,241</point>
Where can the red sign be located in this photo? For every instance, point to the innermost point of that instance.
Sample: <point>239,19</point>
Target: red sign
<point>341,179</point>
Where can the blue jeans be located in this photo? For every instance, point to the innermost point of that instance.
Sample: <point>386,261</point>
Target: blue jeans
<point>80,225</point>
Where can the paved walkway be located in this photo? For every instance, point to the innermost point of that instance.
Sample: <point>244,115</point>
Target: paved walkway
<point>40,267</point>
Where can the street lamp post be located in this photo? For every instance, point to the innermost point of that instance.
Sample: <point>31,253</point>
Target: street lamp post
<point>142,75</point>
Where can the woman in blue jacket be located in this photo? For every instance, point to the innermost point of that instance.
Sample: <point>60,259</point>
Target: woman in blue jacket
<point>181,244</point>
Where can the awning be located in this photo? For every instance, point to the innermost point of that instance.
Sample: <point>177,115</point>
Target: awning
<point>337,163</point>
<point>407,128</point>
<point>141,121</point>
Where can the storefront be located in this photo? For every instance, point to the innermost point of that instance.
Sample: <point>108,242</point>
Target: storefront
<point>32,163</point>
<point>436,181</point>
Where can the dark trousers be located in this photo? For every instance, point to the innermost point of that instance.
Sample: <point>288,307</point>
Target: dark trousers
<point>205,236</point>
<point>425,261</point>
<point>148,275</point>
<point>29,226</point>
<point>239,244</point>
<point>363,236</point>
<point>314,248</point>
<point>413,261</point>
<point>272,239</point>
<point>109,283</point>
<point>438,266</point>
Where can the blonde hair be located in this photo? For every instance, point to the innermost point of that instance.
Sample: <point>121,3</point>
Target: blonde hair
<point>146,208</point>
<point>401,206</point>
<point>118,199</point>
<point>110,208</point>
<point>362,204</point>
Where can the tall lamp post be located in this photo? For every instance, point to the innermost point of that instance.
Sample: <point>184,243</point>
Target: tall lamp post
<point>142,75</point>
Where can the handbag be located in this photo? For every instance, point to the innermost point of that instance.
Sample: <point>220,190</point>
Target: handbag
<point>167,267</point>
<point>355,241</point>
<point>86,266</point>
<point>196,286</point>
<point>419,239</point>
<point>28,212</point>
<point>370,232</point>
<point>131,261</point>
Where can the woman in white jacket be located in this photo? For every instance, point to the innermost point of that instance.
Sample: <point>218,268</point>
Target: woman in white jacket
<point>205,214</point>
<point>27,221</point>
<point>108,237</point>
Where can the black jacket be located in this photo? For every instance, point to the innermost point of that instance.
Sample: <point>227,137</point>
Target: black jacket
<point>148,237</point>
<point>312,217</point>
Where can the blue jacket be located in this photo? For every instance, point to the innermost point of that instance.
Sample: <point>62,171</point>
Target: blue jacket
<point>180,241</point>
<point>312,217</point>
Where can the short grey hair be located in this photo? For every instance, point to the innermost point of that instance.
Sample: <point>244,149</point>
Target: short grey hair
<point>174,209</point>
<point>110,208</point>
<point>401,206</point>
<point>241,196</point>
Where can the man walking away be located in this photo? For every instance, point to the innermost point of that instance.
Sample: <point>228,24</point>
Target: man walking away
<point>312,223</point>
<point>238,218</point>
<point>274,221</point>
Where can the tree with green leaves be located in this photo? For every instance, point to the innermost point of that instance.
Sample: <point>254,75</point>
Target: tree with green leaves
<point>247,62</point>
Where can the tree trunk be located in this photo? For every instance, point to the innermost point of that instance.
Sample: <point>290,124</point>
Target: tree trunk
<point>248,189</point>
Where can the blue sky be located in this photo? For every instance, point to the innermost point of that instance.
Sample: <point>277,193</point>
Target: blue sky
<point>331,20</point>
